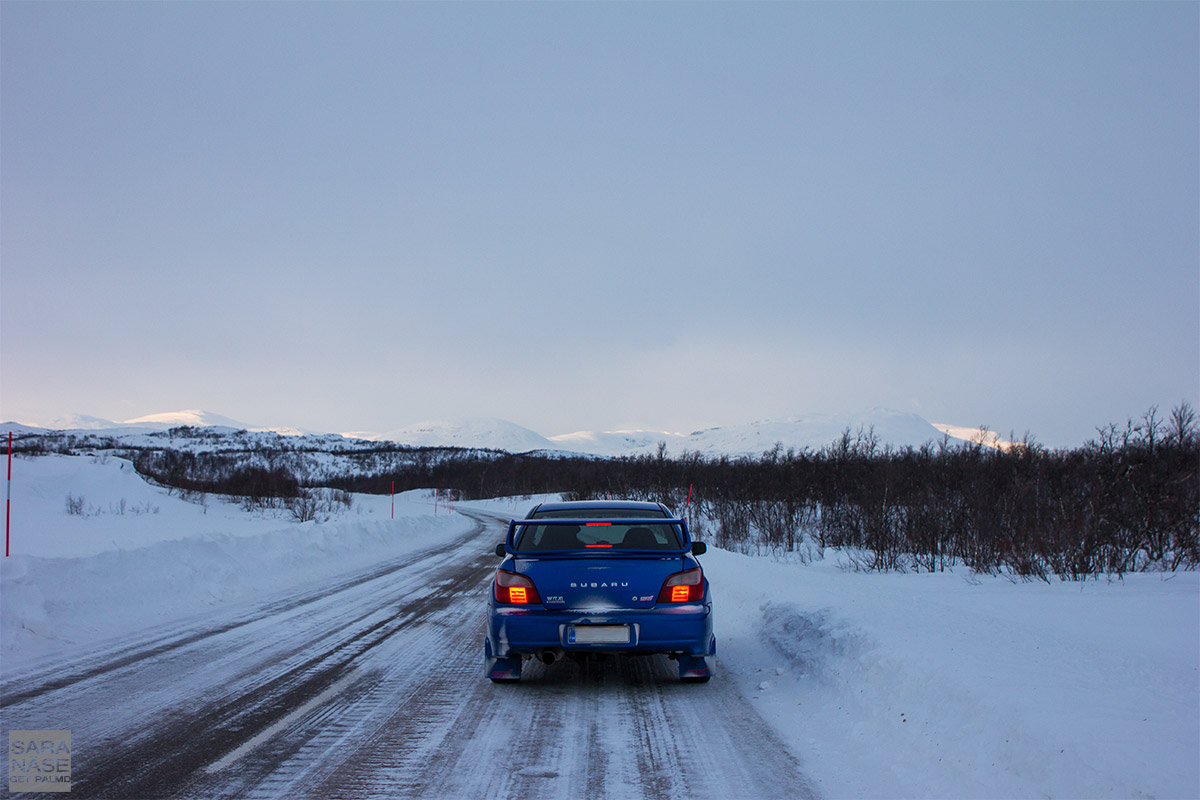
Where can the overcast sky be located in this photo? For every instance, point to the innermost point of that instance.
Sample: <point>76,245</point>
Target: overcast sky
<point>358,216</point>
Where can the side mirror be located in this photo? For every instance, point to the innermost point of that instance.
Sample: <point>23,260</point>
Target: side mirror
<point>500,551</point>
<point>699,548</point>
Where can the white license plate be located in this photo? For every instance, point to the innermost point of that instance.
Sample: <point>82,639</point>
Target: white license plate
<point>598,634</point>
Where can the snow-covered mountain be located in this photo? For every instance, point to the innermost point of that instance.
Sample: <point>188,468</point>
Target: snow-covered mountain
<point>78,422</point>
<point>195,418</point>
<point>810,431</point>
<point>814,431</point>
<point>617,443</point>
<point>485,432</point>
<point>982,436</point>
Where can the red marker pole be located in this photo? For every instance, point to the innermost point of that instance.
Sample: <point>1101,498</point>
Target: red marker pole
<point>393,499</point>
<point>689,500</point>
<point>8,496</point>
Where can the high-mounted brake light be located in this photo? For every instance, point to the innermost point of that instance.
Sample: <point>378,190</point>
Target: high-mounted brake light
<point>509,587</point>
<point>592,524</point>
<point>683,587</point>
<point>597,545</point>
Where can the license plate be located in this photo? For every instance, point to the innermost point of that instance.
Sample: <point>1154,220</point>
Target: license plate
<point>598,634</point>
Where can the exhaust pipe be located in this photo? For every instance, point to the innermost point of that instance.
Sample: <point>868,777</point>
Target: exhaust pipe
<point>548,656</point>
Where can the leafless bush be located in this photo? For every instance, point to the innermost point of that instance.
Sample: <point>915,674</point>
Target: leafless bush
<point>318,504</point>
<point>304,508</point>
<point>75,505</point>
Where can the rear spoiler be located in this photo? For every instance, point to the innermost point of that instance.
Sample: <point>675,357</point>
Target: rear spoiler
<point>515,526</point>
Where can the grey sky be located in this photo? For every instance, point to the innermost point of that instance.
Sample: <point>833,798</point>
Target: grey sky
<point>362,215</point>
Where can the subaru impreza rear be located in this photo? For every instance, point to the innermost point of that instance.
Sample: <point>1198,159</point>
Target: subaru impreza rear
<point>602,577</point>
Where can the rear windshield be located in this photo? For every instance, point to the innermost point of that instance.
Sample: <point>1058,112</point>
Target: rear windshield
<point>600,535</point>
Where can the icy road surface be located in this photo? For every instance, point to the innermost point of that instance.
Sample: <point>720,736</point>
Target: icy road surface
<point>374,687</point>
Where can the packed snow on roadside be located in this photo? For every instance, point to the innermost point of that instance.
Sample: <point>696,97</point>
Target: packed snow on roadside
<point>944,685</point>
<point>98,553</point>
<point>956,685</point>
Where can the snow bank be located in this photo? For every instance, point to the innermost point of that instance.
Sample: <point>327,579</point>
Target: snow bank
<point>132,556</point>
<point>941,686</point>
<point>70,506</point>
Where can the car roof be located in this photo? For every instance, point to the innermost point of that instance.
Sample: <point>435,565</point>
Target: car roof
<point>585,505</point>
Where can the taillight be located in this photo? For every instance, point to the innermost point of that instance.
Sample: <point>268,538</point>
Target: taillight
<point>509,587</point>
<point>683,587</point>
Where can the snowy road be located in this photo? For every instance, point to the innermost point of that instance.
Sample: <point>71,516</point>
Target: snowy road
<point>373,687</point>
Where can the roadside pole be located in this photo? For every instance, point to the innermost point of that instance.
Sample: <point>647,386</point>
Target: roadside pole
<point>8,496</point>
<point>393,499</point>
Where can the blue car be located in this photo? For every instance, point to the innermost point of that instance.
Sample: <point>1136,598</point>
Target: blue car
<point>599,577</point>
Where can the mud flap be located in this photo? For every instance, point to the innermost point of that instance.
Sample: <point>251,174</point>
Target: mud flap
<point>698,669</point>
<point>500,670</point>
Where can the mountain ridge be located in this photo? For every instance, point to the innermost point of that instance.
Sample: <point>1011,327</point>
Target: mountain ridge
<point>801,432</point>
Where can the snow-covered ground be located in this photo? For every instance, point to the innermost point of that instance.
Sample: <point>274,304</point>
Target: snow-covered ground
<point>948,685</point>
<point>138,555</point>
<point>945,685</point>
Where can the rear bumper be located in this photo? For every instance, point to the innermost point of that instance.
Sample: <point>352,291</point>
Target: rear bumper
<point>685,629</point>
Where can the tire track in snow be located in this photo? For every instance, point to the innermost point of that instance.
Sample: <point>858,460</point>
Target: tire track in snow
<point>618,728</point>
<point>242,678</point>
<point>612,728</point>
<point>125,655</point>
